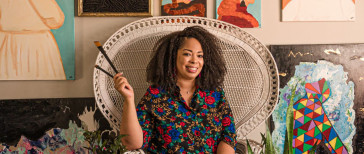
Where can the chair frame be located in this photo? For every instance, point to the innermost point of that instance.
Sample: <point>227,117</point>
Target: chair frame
<point>220,29</point>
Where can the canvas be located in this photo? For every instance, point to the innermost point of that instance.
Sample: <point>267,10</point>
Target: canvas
<point>40,46</point>
<point>105,8</point>
<point>56,125</point>
<point>325,84</point>
<point>183,7</point>
<point>242,13</point>
<point>323,10</point>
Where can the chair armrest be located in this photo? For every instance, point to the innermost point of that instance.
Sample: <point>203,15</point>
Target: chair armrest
<point>241,147</point>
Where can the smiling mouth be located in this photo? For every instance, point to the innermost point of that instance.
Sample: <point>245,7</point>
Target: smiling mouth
<point>191,69</point>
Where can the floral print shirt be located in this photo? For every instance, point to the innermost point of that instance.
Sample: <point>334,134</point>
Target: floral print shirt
<point>171,126</point>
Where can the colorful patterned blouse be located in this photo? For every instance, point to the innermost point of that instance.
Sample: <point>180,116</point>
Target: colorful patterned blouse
<point>170,126</point>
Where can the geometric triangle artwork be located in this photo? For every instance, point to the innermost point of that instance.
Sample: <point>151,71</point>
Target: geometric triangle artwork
<point>311,124</point>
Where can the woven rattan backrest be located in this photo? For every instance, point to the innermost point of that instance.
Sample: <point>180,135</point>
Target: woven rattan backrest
<point>251,84</point>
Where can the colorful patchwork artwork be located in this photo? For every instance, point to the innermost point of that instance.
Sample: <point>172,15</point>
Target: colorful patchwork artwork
<point>326,88</point>
<point>242,13</point>
<point>183,7</point>
<point>323,10</point>
<point>311,124</point>
<point>56,140</point>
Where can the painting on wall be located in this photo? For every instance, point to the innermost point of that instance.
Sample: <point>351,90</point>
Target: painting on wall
<point>326,88</point>
<point>183,7</point>
<point>242,13</point>
<point>40,46</point>
<point>311,10</point>
<point>40,126</point>
<point>104,8</point>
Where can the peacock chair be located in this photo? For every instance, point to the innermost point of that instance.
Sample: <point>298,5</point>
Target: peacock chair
<point>251,83</point>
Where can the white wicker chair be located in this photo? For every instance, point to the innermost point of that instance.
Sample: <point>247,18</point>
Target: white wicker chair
<point>251,84</point>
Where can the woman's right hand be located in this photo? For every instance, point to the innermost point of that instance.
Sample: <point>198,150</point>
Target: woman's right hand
<point>122,85</point>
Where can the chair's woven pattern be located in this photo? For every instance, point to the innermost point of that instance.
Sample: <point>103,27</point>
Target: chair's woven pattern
<point>251,84</point>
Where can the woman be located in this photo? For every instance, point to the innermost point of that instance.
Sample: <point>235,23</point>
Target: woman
<point>185,109</point>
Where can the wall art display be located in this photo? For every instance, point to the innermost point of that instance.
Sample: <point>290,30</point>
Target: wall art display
<point>183,7</point>
<point>103,8</point>
<point>242,13</point>
<point>326,87</point>
<point>323,10</point>
<point>37,40</point>
<point>49,125</point>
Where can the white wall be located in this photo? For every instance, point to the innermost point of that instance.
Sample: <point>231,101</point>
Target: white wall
<point>89,29</point>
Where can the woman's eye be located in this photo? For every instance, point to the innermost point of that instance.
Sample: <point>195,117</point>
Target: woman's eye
<point>187,54</point>
<point>200,56</point>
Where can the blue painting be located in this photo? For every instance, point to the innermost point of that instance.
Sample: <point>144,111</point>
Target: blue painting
<point>334,70</point>
<point>65,37</point>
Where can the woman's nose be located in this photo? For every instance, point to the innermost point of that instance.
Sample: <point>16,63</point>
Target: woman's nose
<point>193,60</point>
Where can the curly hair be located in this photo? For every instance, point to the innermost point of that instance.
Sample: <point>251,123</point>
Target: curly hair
<point>162,67</point>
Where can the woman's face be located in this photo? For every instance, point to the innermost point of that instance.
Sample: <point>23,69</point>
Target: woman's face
<point>189,61</point>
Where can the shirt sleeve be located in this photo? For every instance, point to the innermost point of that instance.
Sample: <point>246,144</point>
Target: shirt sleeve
<point>145,119</point>
<point>228,134</point>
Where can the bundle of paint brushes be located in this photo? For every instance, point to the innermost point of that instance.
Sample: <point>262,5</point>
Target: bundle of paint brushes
<point>98,45</point>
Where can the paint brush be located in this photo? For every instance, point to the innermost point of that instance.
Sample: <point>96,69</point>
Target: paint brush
<point>107,73</point>
<point>98,44</point>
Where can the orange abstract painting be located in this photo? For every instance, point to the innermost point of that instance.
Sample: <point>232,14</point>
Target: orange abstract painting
<point>242,13</point>
<point>183,7</point>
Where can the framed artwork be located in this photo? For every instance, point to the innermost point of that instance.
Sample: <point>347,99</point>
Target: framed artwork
<point>325,85</point>
<point>183,7</point>
<point>242,13</point>
<point>104,8</point>
<point>311,10</point>
<point>41,46</point>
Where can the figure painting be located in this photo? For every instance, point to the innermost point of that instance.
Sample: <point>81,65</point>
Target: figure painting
<point>183,7</point>
<point>28,47</point>
<point>326,88</point>
<point>323,10</point>
<point>242,13</point>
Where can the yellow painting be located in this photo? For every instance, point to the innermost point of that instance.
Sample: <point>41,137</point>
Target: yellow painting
<point>28,49</point>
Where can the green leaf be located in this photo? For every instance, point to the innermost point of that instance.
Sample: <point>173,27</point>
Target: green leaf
<point>285,149</point>
<point>103,144</point>
<point>97,145</point>
<point>269,148</point>
<point>313,149</point>
<point>263,139</point>
<point>289,123</point>
<point>250,151</point>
